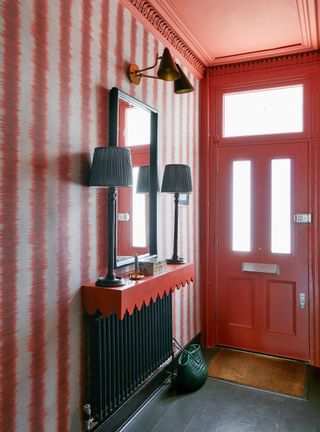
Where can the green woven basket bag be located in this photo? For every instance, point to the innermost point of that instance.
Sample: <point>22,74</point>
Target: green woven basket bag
<point>192,369</point>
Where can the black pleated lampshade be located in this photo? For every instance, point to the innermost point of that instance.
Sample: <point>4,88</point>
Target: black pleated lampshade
<point>143,182</point>
<point>111,166</point>
<point>177,179</point>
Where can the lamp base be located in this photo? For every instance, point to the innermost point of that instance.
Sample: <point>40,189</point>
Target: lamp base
<point>106,282</point>
<point>175,261</point>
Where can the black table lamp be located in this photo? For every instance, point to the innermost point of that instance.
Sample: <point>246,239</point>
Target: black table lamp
<point>111,168</point>
<point>176,179</point>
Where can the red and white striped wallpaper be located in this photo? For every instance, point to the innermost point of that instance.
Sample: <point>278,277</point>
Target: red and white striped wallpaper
<point>58,60</point>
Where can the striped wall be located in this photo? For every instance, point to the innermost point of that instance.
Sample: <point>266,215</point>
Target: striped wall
<point>58,60</point>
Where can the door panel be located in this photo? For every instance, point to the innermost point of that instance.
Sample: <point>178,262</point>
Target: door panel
<point>256,310</point>
<point>279,319</point>
<point>241,303</point>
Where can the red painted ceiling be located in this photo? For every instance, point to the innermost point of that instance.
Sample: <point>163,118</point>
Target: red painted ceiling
<point>225,31</point>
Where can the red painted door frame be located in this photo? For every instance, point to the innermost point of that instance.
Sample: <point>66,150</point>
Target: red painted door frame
<point>256,74</point>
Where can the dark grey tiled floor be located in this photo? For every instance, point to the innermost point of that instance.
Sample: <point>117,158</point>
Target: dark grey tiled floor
<point>224,407</point>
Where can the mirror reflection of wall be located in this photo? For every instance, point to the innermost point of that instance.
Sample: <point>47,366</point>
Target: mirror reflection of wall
<point>133,207</point>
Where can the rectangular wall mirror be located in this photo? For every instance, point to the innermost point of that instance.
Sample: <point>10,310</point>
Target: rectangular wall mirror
<point>134,124</point>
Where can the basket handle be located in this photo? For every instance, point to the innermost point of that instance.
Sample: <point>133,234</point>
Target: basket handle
<point>186,352</point>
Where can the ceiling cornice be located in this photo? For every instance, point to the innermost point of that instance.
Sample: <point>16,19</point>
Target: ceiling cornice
<point>164,21</point>
<point>173,17</point>
<point>168,21</point>
<point>144,11</point>
<point>267,63</point>
<point>309,25</point>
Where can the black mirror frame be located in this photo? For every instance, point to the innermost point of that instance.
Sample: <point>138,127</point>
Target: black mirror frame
<point>115,95</point>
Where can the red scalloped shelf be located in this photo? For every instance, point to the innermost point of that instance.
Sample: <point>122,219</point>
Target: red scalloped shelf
<point>135,293</point>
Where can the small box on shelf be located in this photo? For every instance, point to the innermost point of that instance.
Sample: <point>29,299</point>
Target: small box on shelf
<point>152,266</point>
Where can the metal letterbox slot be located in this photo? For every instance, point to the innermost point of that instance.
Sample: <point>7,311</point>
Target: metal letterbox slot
<point>261,268</point>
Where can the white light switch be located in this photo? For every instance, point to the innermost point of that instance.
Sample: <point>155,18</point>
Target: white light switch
<point>123,217</point>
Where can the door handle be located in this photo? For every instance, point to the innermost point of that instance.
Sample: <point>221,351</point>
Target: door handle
<point>302,218</point>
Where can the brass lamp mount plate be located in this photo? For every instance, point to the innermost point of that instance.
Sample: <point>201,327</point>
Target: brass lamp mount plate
<point>133,74</point>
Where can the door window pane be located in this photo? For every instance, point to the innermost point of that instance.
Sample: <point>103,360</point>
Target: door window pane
<point>281,206</point>
<point>139,238</point>
<point>241,206</point>
<point>262,112</point>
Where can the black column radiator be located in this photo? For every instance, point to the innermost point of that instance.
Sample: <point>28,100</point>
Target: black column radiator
<point>121,354</point>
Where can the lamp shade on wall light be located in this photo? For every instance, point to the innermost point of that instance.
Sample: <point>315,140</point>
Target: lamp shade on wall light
<point>111,168</point>
<point>176,179</point>
<point>182,85</point>
<point>167,70</point>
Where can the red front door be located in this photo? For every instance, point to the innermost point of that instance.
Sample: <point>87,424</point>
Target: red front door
<point>262,244</point>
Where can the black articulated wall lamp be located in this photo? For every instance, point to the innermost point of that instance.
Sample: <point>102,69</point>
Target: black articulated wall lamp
<point>111,168</point>
<point>176,179</point>
<point>168,71</point>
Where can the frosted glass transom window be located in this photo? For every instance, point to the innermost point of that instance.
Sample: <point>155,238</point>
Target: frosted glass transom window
<point>263,112</point>
<point>281,206</point>
<point>241,206</point>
